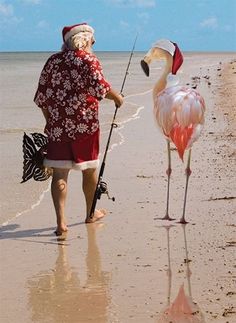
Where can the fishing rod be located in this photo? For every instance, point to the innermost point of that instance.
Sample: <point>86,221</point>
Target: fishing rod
<point>101,187</point>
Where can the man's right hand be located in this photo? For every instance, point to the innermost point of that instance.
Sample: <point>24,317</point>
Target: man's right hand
<point>119,101</point>
<point>117,98</point>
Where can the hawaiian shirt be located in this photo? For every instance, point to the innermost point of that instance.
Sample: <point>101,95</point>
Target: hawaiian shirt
<point>70,86</point>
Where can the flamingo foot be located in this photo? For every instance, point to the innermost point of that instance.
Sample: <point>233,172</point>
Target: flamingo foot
<point>182,221</point>
<point>166,217</point>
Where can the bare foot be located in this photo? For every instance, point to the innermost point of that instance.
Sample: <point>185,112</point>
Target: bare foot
<point>98,215</point>
<point>60,230</point>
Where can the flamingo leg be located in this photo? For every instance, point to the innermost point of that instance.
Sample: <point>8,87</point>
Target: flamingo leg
<point>188,173</point>
<point>168,173</point>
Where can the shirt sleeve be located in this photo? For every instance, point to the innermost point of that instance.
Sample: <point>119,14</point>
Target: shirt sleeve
<point>98,87</point>
<point>40,97</point>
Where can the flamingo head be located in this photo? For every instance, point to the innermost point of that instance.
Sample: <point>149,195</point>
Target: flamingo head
<point>163,49</point>
<point>154,53</point>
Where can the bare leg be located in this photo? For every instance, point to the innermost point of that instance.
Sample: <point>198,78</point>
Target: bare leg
<point>89,187</point>
<point>168,173</point>
<point>188,173</point>
<point>59,193</point>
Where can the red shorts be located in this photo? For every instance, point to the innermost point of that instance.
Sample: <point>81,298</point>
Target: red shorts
<point>80,154</point>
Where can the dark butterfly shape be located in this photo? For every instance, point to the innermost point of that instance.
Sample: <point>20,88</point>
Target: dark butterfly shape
<point>39,139</point>
<point>33,158</point>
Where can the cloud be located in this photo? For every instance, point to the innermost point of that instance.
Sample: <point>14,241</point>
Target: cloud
<point>7,16</point>
<point>144,16</point>
<point>227,28</point>
<point>133,3</point>
<point>6,10</point>
<point>43,24</point>
<point>124,24</point>
<point>33,2</point>
<point>210,23</point>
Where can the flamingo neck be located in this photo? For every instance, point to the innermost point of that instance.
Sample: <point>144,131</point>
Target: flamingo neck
<point>162,82</point>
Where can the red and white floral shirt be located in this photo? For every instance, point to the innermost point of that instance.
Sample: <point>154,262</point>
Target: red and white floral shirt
<point>70,86</point>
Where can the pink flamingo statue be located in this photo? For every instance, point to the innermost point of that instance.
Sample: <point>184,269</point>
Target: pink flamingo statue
<point>178,110</point>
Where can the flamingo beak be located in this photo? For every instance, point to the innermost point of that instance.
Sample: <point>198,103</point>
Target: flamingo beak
<point>145,67</point>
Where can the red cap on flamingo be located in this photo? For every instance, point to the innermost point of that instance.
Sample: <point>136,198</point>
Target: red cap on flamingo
<point>174,50</point>
<point>70,31</point>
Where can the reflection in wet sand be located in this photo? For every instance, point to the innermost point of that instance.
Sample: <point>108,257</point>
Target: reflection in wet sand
<point>58,296</point>
<point>182,309</point>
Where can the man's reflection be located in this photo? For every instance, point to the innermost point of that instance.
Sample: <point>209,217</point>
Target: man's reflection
<point>57,295</point>
<point>182,309</point>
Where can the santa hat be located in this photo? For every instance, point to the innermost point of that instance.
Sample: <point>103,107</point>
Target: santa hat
<point>174,50</point>
<point>70,31</point>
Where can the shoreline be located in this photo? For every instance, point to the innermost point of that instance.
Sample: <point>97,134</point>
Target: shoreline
<point>117,271</point>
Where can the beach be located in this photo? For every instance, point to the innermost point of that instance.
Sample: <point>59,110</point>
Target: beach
<point>132,266</point>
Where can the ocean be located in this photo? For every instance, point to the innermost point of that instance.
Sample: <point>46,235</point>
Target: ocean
<point>19,74</point>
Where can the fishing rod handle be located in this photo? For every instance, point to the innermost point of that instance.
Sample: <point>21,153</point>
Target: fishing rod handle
<point>96,193</point>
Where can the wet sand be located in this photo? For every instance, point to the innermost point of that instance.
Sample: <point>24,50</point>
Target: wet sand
<point>132,266</point>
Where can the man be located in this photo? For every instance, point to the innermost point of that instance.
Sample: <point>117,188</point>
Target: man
<point>70,87</point>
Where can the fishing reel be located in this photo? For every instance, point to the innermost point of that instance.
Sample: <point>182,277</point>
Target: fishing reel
<point>102,189</point>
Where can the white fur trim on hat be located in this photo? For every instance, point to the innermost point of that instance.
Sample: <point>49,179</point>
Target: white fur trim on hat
<point>166,45</point>
<point>77,29</point>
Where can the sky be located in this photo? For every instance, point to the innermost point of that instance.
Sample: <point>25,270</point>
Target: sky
<point>195,25</point>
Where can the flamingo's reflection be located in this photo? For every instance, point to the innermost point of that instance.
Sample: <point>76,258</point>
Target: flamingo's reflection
<point>58,295</point>
<point>182,309</point>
